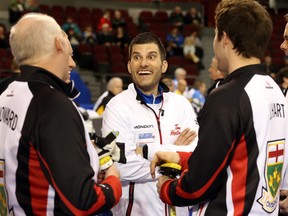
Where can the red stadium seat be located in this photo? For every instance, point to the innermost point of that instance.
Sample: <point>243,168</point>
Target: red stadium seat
<point>119,68</point>
<point>146,17</point>
<point>161,17</point>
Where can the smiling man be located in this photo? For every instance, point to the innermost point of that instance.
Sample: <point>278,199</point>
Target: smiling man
<point>148,118</point>
<point>48,164</point>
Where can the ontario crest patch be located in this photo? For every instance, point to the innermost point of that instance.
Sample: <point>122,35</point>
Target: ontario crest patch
<point>273,173</point>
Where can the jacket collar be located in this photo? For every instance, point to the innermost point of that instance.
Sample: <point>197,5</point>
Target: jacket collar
<point>40,75</point>
<point>150,99</point>
<point>249,69</point>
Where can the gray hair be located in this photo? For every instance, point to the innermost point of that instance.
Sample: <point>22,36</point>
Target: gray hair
<point>33,37</point>
<point>112,82</point>
<point>180,71</point>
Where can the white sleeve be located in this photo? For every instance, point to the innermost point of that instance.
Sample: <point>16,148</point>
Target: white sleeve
<point>137,168</point>
<point>152,149</point>
<point>188,120</point>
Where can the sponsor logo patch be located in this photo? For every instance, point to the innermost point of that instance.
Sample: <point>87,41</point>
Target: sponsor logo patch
<point>176,131</point>
<point>146,136</point>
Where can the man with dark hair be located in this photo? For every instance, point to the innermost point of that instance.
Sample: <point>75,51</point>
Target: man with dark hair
<point>148,118</point>
<point>238,165</point>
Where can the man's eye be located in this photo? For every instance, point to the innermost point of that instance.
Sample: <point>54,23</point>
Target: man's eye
<point>152,57</point>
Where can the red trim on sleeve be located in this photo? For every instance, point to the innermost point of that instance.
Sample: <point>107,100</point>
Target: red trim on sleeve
<point>184,157</point>
<point>207,185</point>
<point>111,180</point>
<point>115,183</point>
<point>39,185</point>
<point>164,192</point>
<point>239,184</point>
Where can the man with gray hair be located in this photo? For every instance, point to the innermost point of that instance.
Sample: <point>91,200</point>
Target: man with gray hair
<point>179,73</point>
<point>114,87</point>
<point>49,165</point>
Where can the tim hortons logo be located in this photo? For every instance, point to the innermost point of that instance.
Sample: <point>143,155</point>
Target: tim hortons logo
<point>176,131</point>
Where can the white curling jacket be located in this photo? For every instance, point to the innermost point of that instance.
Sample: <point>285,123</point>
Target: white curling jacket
<point>157,122</point>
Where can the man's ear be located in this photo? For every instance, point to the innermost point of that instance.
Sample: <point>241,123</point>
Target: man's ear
<point>58,44</point>
<point>129,67</point>
<point>164,66</point>
<point>226,39</point>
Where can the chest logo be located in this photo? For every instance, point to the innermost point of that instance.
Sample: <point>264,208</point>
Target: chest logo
<point>176,131</point>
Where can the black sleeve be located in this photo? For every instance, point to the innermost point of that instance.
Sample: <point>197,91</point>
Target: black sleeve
<point>59,139</point>
<point>220,130</point>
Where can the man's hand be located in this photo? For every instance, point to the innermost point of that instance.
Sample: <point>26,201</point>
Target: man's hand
<point>139,151</point>
<point>161,181</point>
<point>186,137</point>
<point>284,203</point>
<point>161,157</point>
<point>112,170</point>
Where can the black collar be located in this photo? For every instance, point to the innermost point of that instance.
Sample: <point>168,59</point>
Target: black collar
<point>37,74</point>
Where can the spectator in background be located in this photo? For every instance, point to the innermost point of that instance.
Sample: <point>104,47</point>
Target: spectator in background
<point>196,95</point>
<point>117,20</point>
<point>193,17</point>
<point>74,34</point>
<point>192,52</point>
<point>105,36</point>
<point>169,83</point>
<point>4,41</point>
<point>31,6</point>
<point>198,41</point>
<point>114,87</point>
<point>215,75</point>
<point>182,88</point>
<point>74,38</point>
<point>282,79</point>
<point>270,67</point>
<point>179,73</point>
<point>105,20</point>
<point>71,24</point>
<point>121,38</point>
<point>16,10</point>
<point>89,36</point>
<point>177,17</point>
<point>174,41</point>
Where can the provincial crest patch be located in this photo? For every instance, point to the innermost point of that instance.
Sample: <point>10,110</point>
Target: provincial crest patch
<point>273,173</point>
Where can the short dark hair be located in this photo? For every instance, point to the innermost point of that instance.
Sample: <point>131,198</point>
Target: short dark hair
<point>247,24</point>
<point>283,73</point>
<point>145,38</point>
